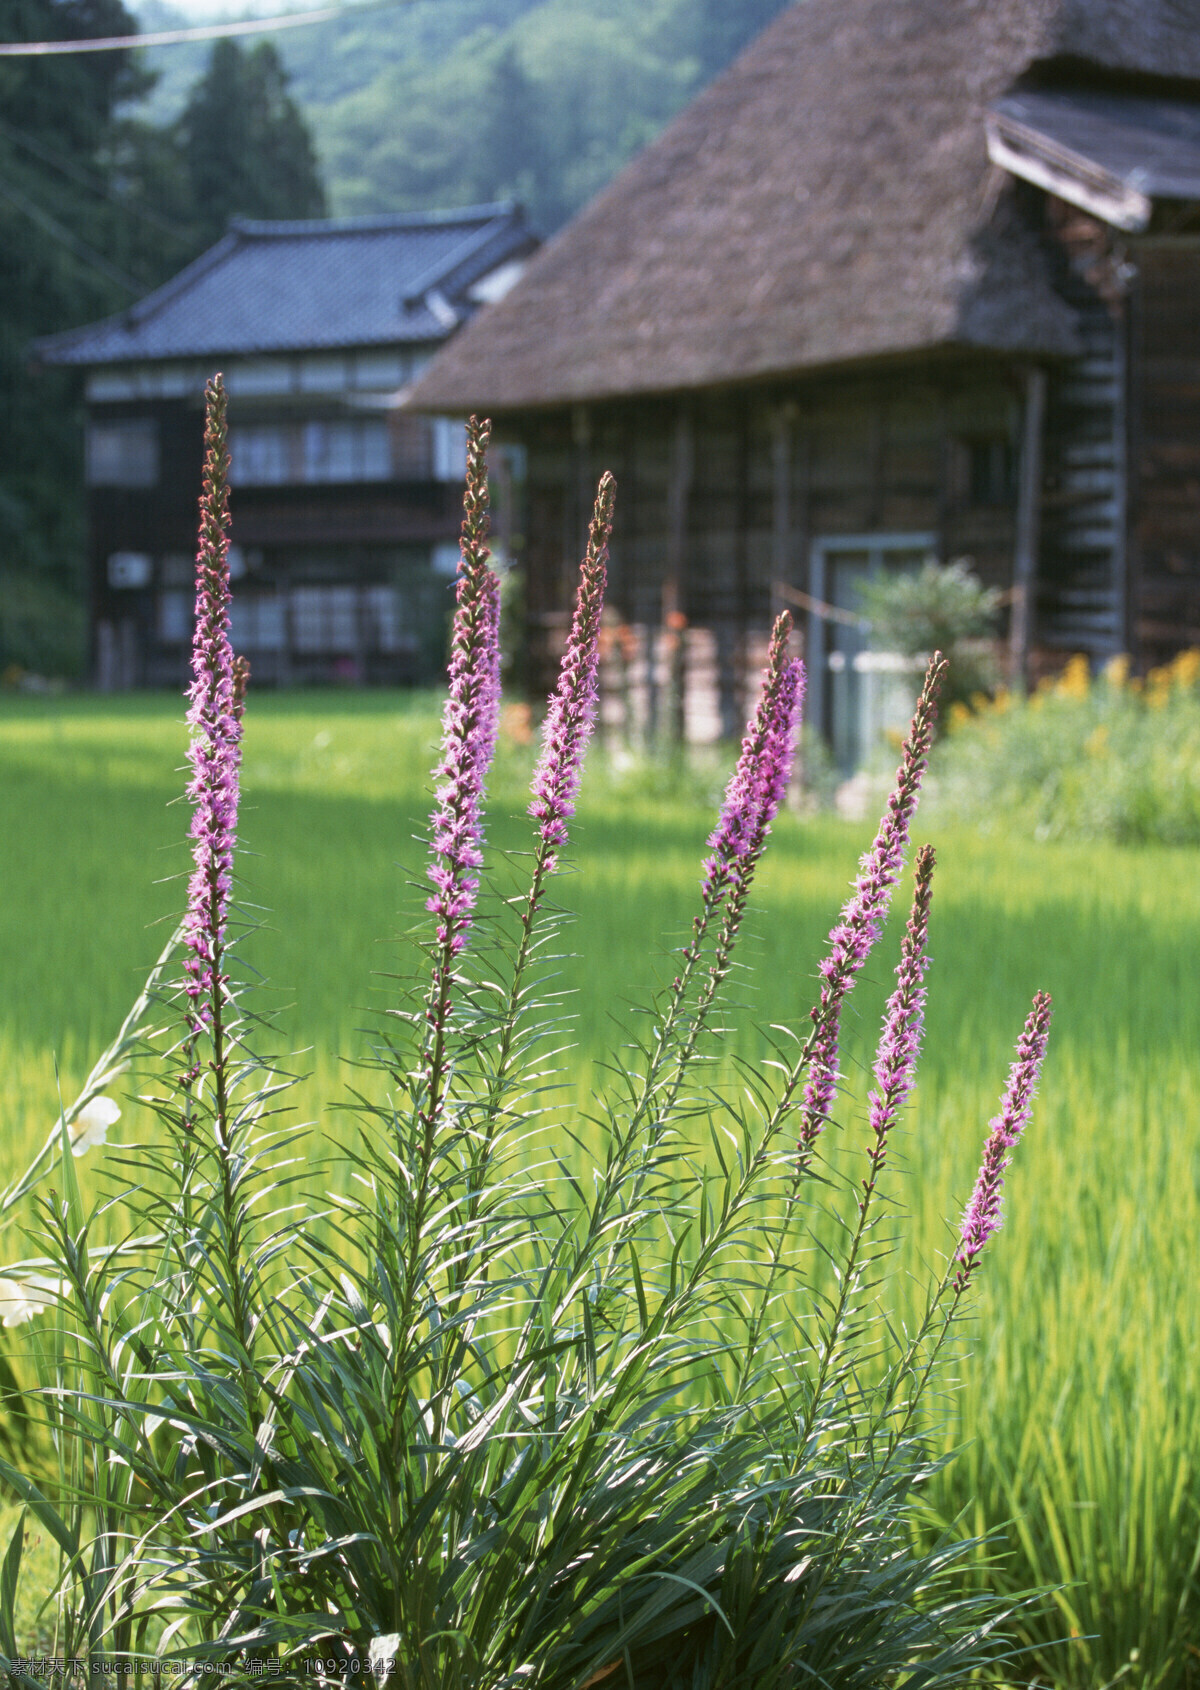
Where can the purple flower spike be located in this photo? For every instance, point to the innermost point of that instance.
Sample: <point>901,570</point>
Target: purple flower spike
<point>216,731</point>
<point>572,712</point>
<point>470,718</point>
<point>863,916</point>
<point>984,1213</point>
<point>904,1020</point>
<point>758,783</point>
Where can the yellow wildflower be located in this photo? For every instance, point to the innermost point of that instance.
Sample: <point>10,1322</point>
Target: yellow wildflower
<point>1116,671</point>
<point>1075,681</point>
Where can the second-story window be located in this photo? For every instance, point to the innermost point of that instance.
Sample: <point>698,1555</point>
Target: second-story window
<point>271,454</point>
<point>347,451</point>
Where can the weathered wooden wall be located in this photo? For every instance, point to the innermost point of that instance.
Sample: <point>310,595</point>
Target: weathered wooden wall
<point>721,495</point>
<point>1165,448</point>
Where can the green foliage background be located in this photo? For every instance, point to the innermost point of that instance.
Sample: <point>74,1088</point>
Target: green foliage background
<point>1110,757</point>
<point>445,102</point>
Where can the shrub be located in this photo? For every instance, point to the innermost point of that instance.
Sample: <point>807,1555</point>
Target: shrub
<point>510,1414</point>
<point>42,628</point>
<point>1115,757</point>
<point>937,607</point>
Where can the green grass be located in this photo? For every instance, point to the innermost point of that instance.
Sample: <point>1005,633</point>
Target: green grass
<point>1079,1398</point>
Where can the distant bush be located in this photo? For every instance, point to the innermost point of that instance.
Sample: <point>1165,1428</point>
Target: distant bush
<point>42,628</point>
<point>939,607</point>
<point>1114,757</point>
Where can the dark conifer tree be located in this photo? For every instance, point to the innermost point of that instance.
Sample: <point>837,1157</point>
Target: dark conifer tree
<point>246,149</point>
<point>64,259</point>
<point>511,150</point>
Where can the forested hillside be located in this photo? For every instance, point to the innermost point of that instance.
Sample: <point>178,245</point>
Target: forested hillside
<point>443,102</point>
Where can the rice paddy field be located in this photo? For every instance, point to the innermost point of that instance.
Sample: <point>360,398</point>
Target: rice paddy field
<point>1076,1400</point>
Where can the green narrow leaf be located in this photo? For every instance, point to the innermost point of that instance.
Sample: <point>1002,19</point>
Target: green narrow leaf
<point>589,1345</point>
<point>71,1191</point>
<point>639,1288</point>
<point>10,1575</point>
<point>42,1508</point>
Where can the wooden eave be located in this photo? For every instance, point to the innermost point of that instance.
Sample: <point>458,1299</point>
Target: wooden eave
<point>1022,151</point>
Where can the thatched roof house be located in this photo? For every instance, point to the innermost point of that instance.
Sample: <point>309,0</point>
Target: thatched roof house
<point>898,208</point>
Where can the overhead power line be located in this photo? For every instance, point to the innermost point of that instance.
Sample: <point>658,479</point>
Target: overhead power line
<point>172,37</point>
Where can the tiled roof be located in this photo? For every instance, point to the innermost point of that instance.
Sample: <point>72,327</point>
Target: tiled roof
<point>276,287</point>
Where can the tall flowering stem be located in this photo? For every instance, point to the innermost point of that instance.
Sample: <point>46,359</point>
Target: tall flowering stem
<point>758,783</point>
<point>863,917</point>
<point>895,1072</point>
<point>469,725</point>
<point>756,789</point>
<point>753,796</point>
<point>216,703</point>
<point>903,1024</point>
<point>214,751</point>
<point>984,1213</point>
<point>572,712</point>
<point>570,719</point>
<point>982,1218</point>
<point>752,799</point>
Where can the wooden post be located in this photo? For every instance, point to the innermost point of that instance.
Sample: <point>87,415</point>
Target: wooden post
<point>781,496</point>
<point>1123,350</point>
<point>581,440</point>
<point>876,450</point>
<point>679,486</point>
<point>1028,522</point>
<point>782,429</point>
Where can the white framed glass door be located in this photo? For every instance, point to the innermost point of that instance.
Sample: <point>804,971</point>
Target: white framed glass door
<point>854,690</point>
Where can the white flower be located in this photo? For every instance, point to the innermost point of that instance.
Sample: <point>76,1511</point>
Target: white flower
<point>91,1124</point>
<point>20,1300</point>
<point>383,1653</point>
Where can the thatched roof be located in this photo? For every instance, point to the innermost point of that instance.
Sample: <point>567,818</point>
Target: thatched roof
<point>829,198</point>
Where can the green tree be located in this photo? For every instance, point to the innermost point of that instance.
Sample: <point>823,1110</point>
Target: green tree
<point>939,607</point>
<point>69,252</point>
<point>246,149</point>
<point>511,152</point>
<point>539,100</point>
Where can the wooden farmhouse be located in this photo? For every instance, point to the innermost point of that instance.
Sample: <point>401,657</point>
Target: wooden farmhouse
<point>909,279</point>
<point>346,508</point>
